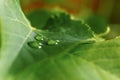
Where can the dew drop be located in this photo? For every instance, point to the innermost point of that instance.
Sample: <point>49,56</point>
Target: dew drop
<point>39,37</point>
<point>53,42</point>
<point>35,44</point>
<point>39,47</point>
<point>40,44</point>
<point>58,40</point>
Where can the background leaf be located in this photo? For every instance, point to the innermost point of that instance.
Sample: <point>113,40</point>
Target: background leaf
<point>38,18</point>
<point>98,23</point>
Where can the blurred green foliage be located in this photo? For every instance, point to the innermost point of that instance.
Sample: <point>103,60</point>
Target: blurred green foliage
<point>38,18</point>
<point>98,23</point>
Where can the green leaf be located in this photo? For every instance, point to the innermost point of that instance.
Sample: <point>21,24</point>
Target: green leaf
<point>38,18</point>
<point>63,28</point>
<point>15,30</point>
<point>98,23</point>
<point>103,54</point>
<point>0,36</point>
<point>66,67</point>
<point>74,57</point>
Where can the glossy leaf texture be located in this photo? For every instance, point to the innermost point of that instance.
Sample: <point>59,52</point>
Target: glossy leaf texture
<point>78,55</point>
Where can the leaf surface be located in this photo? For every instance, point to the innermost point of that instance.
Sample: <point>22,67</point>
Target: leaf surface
<point>76,56</point>
<point>15,29</point>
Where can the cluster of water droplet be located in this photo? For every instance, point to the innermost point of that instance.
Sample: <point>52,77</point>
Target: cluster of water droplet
<point>41,40</point>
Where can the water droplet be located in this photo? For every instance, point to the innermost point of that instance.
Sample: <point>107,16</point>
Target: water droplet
<point>53,42</point>
<point>39,37</point>
<point>39,47</point>
<point>35,44</point>
<point>40,44</point>
<point>58,40</point>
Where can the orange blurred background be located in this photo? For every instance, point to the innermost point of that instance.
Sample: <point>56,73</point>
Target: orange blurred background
<point>82,9</point>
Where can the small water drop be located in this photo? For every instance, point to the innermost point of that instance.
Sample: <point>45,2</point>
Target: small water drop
<point>40,44</point>
<point>58,40</point>
<point>53,42</point>
<point>39,37</point>
<point>35,44</point>
<point>39,47</point>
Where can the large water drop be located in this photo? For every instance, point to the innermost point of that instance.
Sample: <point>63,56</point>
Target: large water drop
<point>53,42</point>
<point>35,44</point>
<point>39,37</point>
